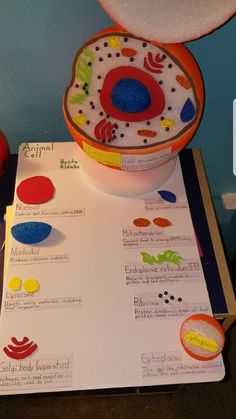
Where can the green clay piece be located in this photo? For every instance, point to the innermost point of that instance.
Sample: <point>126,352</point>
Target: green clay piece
<point>83,71</point>
<point>170,256</point>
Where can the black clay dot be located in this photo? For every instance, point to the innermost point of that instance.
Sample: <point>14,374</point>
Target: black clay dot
<point>99,77</point>
<point>166,301</point>
<point>84,88</point>
<point>160,295</point>
<point>86,92</point>
<point>122,135</point>
<point>170,65</point>
<point>91,103</point>
<point>160,82</point>
<point>109,55</point>
<point>127,124</point>
<point>144,44</point>
<point>117,54</point>
<point>164,57</point>
<point>77,85</point>
<point>148,123</point>
<point>162,118</point>
<point>173,89</point>
<point>101,113</point>
<point>97,48</point>
<point>113,131</point>
<point>92,107</point>
<point>167,129</point>
<point>86,84</point>
<point>89,64</point>
<point>125,39</point>
<point>165,293</point>
<point>99,90</point>
<point>114,137</point>
<point>105,44</point>
<point>107,116</point>
<point>172,297</point>
<point>100,59</point>
<point>87,122</point>
<point>80,111</point>
<point>169,108</point>
<point>145,140</point>
<point>132,59</point>
<point>180,299</point>
<point>116,126</point>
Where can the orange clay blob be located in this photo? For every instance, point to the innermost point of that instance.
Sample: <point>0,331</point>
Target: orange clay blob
<point>141,222</point>
<point>162,222</point>
<point>114,98</point>
<point>202,337</point>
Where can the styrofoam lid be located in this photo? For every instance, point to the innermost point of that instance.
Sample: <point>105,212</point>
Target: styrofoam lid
<point>169,21</point>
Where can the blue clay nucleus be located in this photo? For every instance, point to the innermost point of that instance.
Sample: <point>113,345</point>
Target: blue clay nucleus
<point>31,232</point>
<point>130,95</point>
<point>167,196</point>
<point>188,111</point>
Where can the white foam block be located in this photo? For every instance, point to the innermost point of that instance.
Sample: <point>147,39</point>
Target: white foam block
<point>170,20</point>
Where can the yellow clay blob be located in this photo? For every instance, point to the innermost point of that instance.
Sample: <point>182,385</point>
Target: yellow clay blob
<point>15,283</point>
<point>113,42</point>
<point>167,123</point>
<point>31,285</point>
<point>80,119</point>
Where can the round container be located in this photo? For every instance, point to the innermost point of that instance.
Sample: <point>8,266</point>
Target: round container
<point>132,105</point>
<point>202,337</point>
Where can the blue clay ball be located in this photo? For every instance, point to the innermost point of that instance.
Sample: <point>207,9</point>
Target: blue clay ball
<point>129,95</point>
<point>31,232</point>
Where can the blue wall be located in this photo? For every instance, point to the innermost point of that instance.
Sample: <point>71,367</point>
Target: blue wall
<point>38,40</point>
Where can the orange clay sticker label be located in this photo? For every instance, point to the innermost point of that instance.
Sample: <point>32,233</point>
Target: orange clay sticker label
<point>104,157</point>
<point>201,341</point>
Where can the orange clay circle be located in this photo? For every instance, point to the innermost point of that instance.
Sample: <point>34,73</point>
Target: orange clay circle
<point>141,222</point>
<point>211,322</point>
<point>180,54</point>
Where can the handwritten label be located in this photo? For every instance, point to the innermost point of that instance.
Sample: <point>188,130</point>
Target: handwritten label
<point>137,274</point>
<point>34,259</point>
<point>41,303</point>
<point>201,341</point>
<point>138,238</point>
<point>42,373</point>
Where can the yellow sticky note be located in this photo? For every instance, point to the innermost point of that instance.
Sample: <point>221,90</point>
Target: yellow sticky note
<point>201,341</point>
<point>104,157</point>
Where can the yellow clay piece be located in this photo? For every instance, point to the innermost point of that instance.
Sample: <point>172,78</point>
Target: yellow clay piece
<point>31,285</point>
<point>167,123</point>
<point>15,283</point>
<point>113,42</point>
<point>80,119</point>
